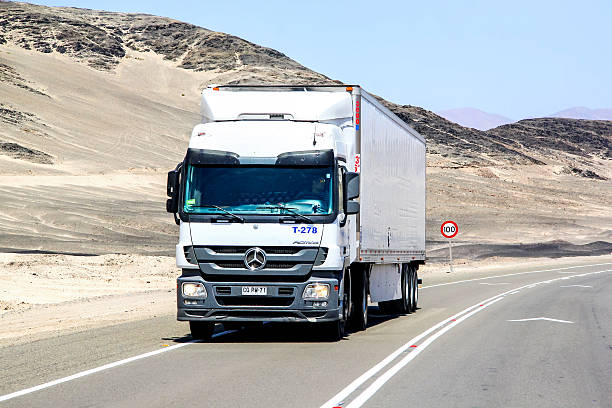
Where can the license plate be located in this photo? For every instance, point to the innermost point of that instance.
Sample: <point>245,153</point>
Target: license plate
<point>255,290</point>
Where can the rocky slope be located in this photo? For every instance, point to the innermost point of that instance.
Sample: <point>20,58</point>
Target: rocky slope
<point>96,106</point>
<point>102,39</point>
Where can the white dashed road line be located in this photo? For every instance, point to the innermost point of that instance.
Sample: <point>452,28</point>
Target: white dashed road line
<point>533,319</point>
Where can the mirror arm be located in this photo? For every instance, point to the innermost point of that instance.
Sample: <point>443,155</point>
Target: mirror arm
<point>344,220</point>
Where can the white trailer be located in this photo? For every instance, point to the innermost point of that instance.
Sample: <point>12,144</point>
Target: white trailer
<point>296,203</point>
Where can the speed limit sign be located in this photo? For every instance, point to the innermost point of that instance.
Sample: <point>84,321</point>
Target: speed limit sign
<point>449,229</point>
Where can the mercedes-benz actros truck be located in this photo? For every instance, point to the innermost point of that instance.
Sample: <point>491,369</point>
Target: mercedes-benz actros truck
<point>297,204</point>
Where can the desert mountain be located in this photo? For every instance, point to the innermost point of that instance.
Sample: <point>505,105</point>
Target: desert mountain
<point>474,118</point>
<point>580,112</point>
<point>96,106</point>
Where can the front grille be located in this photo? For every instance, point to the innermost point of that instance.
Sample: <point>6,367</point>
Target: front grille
<point>253,301</point>
<point>279,265</point>
<point>283,264</point>
<point>231,265</point>
<point>253,277</point>
<point>241,265</point>
<point>243,249</point>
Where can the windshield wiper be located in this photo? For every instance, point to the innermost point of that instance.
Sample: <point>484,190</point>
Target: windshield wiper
<point>231,214</point>
<point>289,209</point>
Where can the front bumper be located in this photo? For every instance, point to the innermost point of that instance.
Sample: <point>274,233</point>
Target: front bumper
<point>283,302</point>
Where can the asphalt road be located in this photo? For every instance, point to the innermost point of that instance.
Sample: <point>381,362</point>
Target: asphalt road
<point>473,343</point>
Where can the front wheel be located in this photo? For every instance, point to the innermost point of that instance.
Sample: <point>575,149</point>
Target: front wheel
<point>336,330</point>
<point>333,331</point>
<point>201,330</point>
<point>359,286</point>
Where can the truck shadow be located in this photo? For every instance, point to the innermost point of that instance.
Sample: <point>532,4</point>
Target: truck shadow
<point>281,332</point>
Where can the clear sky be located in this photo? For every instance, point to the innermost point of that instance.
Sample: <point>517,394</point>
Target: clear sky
<point>515,58</point>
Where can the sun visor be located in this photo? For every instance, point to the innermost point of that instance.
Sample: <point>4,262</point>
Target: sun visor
<point>204,156</point>
<point>306,158</point>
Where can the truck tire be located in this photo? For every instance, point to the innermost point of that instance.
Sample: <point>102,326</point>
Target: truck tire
<point>410,304</point>
<point>201,330</point>
<point>333,331</point>
<point>415,288</point>
<point>359,287</point>
<point>336,330</point>
<point>403,304</point>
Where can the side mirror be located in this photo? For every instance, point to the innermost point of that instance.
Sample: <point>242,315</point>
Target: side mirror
<point>352,185</point>
<point>172,184</point>
<point>171,205</point>
<point>172,189</point>
<point>352,207</point>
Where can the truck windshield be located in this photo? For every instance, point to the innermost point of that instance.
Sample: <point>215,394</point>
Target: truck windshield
<point>259,190</point>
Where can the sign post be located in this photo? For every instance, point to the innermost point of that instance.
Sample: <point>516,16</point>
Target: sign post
<point>449,230</point>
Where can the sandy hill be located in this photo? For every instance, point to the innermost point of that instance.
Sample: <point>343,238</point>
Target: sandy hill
<point>96,106</point>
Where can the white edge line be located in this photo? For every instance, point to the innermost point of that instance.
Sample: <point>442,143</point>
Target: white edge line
<point>339,397</point>
<point>514,274</point>
<point>102,368</point>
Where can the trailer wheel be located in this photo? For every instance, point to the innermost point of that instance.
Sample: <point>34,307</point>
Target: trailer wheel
<point>201,330</point>
<point>415,289</point>
<point>403,304</point>
<point>410,288</point>
<point>359,286</point>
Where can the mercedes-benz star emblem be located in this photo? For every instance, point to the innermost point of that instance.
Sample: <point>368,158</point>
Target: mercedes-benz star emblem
<point>255,259</point>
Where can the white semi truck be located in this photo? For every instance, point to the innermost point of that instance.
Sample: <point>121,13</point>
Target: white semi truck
<point>297,204</point>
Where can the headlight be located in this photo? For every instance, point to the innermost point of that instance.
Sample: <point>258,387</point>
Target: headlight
<point>194,290</point>
<point>316,291</point>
